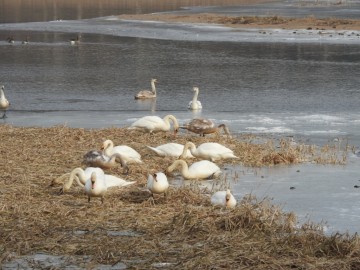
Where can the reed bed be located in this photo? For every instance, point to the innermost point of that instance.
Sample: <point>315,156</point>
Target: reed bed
<point>179,231</point>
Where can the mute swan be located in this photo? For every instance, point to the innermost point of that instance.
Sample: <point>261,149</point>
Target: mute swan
<point>199,170</point>
<point>223,198</point>
<point>128,154</point>
<point>81,176</point>
<point>155,123</point>
<point>4,103</point>
<point>210,151</point>
<point>195,104</point>
<point>170,150</point>
<point>95,186</point>
<point>157,183</point>
<point>205,126</point>
<point>75,41</point>
<point>144,94</point>
<point>26,41</point>
<point>95,158</point>
<point>10,40</point>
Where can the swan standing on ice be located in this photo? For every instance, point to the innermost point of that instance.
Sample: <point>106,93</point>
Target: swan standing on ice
<point>157,183</point>
<point>195,104</point>
<point>211,151</point>
<point>170,150</point>
<point>95,158</point>
<point>82,176</point>
<point>223,198</point>
<point>4,103</point>
<point>205,126</point>
<point>155,123</point>
<point>128,154</point>
<point>144,94</point>
<point>199,170</point>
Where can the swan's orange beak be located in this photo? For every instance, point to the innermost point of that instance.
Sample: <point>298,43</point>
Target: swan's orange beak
<point>175,132</point>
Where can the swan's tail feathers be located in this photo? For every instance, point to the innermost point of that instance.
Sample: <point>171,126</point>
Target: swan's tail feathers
<point>126,183</point>
<point>155,150</point>
<point>113,181</point>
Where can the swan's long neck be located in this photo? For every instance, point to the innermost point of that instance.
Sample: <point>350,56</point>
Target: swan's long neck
<point>78,175</point>
<point>173,119</point>
<point>225,128</point>
<point>184,168</point>
<point>196,90</point>
<point>153,88</point>
<point>119,156</point>
<point>192,147</point>
<point>108,148</point>
<point>2,95</point>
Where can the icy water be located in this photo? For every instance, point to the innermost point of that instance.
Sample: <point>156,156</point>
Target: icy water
<point>278,84</point>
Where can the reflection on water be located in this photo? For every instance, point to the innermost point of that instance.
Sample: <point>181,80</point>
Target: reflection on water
<point>40,10</point>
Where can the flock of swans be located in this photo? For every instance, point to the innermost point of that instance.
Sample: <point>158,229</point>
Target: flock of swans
<point>96,182</point>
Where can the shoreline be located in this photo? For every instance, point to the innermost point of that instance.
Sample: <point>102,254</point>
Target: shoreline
<point>251,22</point>
<point>40,224</point>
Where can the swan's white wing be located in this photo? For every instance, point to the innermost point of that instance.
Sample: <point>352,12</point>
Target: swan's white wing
<point>113,181</point>
<point>126,151</point>
<point>219,198</point>
<point>204,169</point>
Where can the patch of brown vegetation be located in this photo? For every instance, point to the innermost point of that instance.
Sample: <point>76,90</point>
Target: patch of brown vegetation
<point>275,21</point>
<point>182,229</point>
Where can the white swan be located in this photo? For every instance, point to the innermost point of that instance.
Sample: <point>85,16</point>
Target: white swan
<point>170,150</point>
<point>4,103</point>
<point>223,198</point>
<point>10,40</point>
<point>95,186</point>
<point>155,123</point>
<point>195,104</point>
<point>198,170</point>
<point>144,94</point>
<point>157,183</point>
<point>96,158</point>
<point>211,151</point>
<point>205,126</point>
<point>75,41</point>
<point>128,154</point>
<point>81,176</point>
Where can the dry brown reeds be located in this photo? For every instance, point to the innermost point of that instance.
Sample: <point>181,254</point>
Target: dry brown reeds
<point>179,231</point>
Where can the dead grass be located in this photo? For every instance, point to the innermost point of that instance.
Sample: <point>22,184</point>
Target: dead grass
<point>182,229</point>
<point>274,21</point>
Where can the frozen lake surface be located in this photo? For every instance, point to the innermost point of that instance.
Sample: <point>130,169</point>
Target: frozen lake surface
<point>303,85</point>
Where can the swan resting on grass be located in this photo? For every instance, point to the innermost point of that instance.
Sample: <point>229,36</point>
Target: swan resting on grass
<point>170,150</point>
<point>157,183</point>
<point>95,158</point>
<point>223,198</point>
<point>81,176</point>
<point>203,169</point>
<point>128,154</point>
